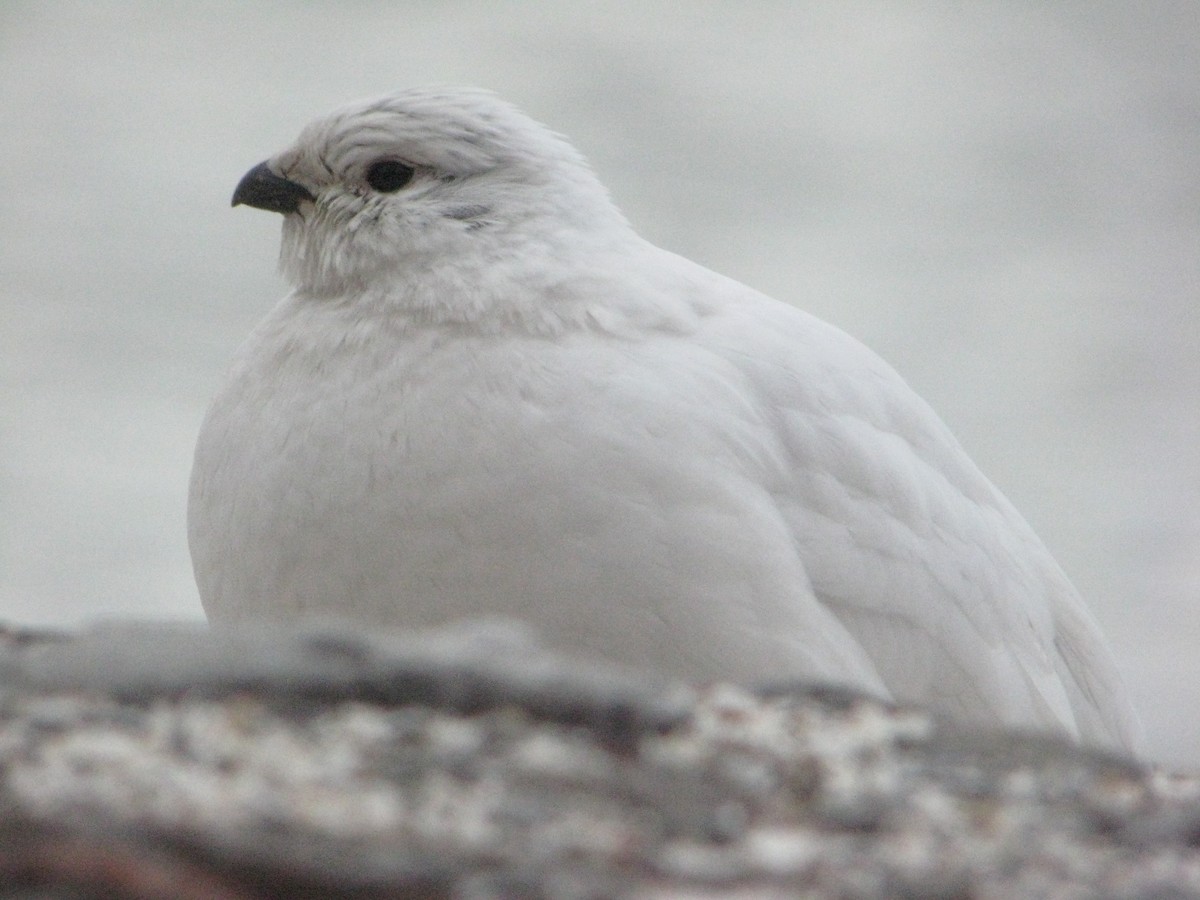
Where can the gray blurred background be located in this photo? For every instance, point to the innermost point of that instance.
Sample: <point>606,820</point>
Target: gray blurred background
<point>1002,198</point>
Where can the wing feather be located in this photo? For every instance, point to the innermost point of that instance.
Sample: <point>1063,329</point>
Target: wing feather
<point>944,585</point>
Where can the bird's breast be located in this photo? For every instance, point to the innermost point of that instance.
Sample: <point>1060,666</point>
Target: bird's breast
<point>576,489</point>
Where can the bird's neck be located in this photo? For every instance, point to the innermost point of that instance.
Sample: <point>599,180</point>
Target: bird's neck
<point>545,283</point>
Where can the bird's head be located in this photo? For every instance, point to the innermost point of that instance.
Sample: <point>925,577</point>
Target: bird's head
<point>415,180</point>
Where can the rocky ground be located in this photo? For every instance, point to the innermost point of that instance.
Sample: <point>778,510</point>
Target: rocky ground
<point>170,762</point>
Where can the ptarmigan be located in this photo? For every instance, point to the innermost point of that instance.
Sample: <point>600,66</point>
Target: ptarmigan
<point>488,396</point>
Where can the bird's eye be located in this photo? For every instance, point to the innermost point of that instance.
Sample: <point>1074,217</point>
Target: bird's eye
<point>388,176</point>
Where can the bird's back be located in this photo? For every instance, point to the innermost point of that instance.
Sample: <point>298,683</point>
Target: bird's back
<point>938,578</point>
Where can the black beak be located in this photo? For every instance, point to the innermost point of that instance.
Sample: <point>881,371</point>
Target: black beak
<point>263,189</point>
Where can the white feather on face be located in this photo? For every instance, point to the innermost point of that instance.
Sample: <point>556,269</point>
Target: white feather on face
<point>487,396</point>
<point>477,163</point>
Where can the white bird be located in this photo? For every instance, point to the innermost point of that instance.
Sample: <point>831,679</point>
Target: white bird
<point>486,395</point>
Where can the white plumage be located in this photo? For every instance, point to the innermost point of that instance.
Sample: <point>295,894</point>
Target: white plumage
<point>486,395</point>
